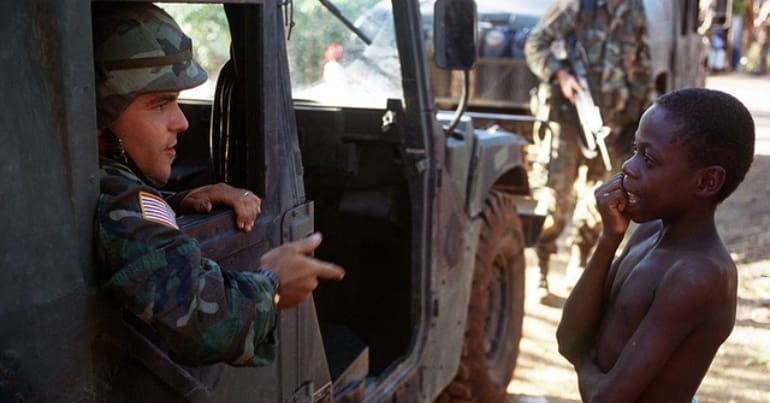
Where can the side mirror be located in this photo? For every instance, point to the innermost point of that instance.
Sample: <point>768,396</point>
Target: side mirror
<point>454,34</point>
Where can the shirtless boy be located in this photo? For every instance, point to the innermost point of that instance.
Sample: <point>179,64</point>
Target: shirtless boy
<point>646,326</point>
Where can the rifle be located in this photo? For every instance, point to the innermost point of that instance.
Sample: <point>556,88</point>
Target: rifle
<point>594,131</point>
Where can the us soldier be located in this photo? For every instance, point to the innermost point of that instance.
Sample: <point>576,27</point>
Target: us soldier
<point>614,35</point>
<point>203,313</point>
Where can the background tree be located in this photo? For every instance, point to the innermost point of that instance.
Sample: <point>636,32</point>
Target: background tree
<point>308,50</point>
<point>207,27</point>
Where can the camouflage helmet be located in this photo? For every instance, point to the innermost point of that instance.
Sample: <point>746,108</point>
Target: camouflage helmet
<point>138,48</point>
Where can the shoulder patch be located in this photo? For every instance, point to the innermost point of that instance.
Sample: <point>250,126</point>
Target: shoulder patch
<point>156,209</point>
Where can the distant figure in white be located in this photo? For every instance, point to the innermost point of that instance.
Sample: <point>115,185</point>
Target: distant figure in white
<point>332,68</point>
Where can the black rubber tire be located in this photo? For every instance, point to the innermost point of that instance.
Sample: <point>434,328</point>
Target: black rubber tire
<point>496,308</point>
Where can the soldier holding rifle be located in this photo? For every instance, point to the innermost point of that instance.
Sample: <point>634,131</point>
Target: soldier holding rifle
<point>593,59</point>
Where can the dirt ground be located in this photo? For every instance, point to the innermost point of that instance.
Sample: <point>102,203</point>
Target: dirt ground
<point>740,371</point>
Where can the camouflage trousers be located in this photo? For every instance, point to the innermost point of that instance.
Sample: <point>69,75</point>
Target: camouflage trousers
<point>568,190</point>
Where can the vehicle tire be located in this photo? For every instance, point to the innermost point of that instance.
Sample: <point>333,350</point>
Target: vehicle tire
<point>495,310</point>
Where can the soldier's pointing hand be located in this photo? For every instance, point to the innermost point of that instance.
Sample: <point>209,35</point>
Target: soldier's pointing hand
<point>297,272</point>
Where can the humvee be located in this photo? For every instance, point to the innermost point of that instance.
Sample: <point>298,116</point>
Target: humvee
<point>428,216</point>
<point>501,82</point>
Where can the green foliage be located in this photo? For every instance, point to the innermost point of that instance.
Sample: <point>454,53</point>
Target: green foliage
<point>207,26</point>
<point>739,8</point>
<point>314,30</point>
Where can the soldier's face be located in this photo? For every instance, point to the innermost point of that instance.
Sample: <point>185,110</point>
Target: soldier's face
<point>148,128</point>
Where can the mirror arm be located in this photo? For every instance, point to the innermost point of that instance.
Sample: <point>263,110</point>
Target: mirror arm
<point>460,108</point>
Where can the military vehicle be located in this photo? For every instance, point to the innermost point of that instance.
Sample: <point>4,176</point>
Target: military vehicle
<point>679,53</point>
<point>428,216</point>
<point>501,83</point>
<point>502,91</point>
<point>501,79</point>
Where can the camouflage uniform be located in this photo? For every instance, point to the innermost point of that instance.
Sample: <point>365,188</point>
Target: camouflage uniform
<point>203,313</point>
<point>614,35</point>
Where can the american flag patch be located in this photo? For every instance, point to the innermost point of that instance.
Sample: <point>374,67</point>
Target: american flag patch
<point>156,209</point>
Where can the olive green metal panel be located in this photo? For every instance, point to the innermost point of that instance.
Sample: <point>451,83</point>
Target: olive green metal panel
<point>48,164</point>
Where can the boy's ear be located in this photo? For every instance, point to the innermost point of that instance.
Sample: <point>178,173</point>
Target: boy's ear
<point>711,180</point>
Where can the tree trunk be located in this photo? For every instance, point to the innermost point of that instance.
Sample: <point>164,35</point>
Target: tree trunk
<point>747,36</point>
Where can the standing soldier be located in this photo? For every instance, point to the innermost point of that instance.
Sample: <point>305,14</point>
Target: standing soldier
<point>618,72</point>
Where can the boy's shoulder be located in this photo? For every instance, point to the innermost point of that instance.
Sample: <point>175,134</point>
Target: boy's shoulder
<point>699,291</point>
<point>705,277</point>
<point>700,266</point>
<point>703,269</point>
